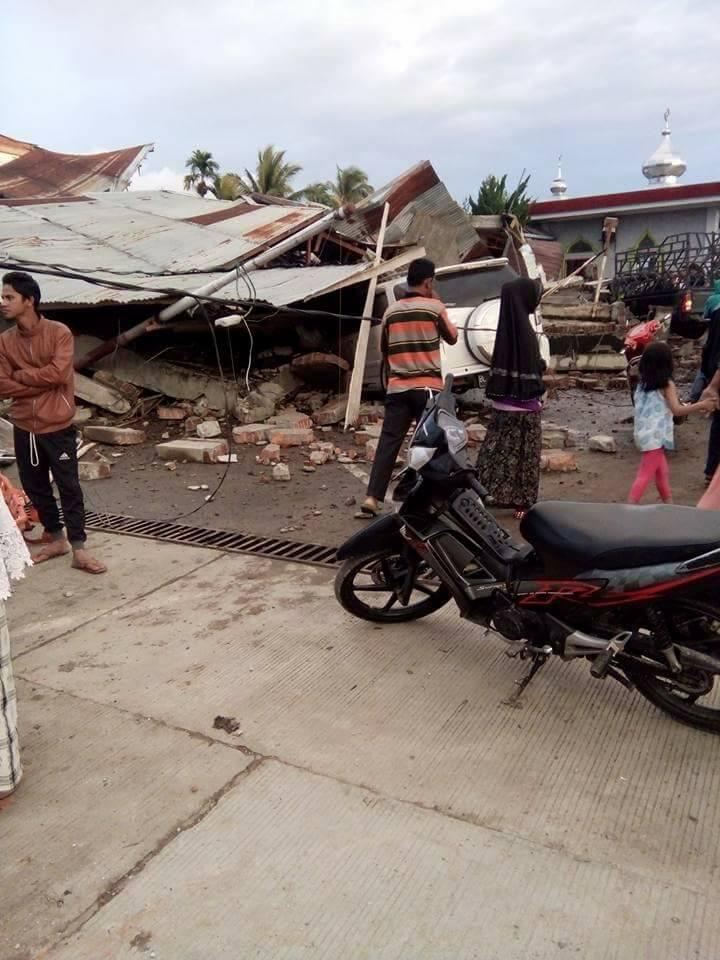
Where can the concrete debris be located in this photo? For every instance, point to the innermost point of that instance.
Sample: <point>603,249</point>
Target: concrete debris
<point>558,461</point>
<point>272,390</point>
<point>171,465</point>
<point>581,311</point>
<point>207,429</point>
<point>127,390</point>
<point>588,383</point>
<point>557,381</point>
<point>228,458</point>
<point>593,362</point>
<point>321,368</point>
<point>191,425</point>
<point>319,457</point>
<point>254,408</point>
<point>192,449</point>
<point>100,395</point>
<point>289,437</point>
<point>250,433</point>
<point>162,377</point>
<point>554,438</point>
<point>117,436</point>
<point>332,413</point>
<point>281,471</point>
<point>82,415</point>
<point>603,443</point>
<point>94,470</point>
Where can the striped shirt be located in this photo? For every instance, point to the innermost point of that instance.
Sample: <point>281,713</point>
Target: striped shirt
<point>412,329</point>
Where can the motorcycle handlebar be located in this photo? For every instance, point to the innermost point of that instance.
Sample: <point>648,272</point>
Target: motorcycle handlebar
<point>478,488</point>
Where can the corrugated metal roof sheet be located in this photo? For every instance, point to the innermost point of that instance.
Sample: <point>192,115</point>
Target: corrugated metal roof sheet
<point>102,234</point>
<point>43,173</point>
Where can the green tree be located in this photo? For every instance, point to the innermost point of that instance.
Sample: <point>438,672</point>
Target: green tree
<point>273,174</point>
<point>493,198</point>
<point>349,186</point>
<point>203,172</point>
<point>228,186</point>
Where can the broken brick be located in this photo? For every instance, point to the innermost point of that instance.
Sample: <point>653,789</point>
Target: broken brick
<point>171,413</point>
<point>250,433</point>
<point>269,454</point>
<point>117,436</point>
<point>93,469</point>
<point>558,461</point>
<point>193,449</point>
<point>288,437</point>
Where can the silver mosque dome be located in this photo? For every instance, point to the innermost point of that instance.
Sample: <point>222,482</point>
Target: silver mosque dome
<point>665,165</point>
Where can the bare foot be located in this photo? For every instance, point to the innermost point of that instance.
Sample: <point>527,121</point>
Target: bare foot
<point>84,560</point>
<point>57,548</point>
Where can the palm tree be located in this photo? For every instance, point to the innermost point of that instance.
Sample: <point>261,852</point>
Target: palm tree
<point>228,186</point>
<point>203,168</point>
<point>272,174</point>
<point>493,198</point>
<point>350,186</point>
<point>321,192</point>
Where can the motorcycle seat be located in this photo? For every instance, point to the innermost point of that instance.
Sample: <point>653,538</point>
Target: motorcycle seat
<point>576,537</point>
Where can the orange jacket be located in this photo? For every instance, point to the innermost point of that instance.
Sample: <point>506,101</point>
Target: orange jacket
<point>36,372</point>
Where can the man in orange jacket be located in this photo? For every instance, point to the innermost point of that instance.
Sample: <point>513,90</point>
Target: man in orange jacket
<point>36,372</point>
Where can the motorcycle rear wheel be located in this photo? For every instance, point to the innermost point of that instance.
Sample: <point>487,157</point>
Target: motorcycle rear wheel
<point>693,697</point>
<point>379,575</point>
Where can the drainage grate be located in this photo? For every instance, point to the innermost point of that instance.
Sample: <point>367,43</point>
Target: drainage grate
<point>291,550</point>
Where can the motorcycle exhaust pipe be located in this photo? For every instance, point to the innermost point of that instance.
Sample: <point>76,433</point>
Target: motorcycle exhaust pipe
<point>579,644</point>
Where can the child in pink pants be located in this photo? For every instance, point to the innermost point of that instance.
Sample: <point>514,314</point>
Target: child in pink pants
<point>656,403</point>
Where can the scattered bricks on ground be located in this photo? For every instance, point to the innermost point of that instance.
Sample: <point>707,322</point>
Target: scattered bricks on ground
<point>269,454</point>
<point>293,419</point>
<point>289,437</point>
<point>207,429</point>
<point>171,413</point>
<point>558,461</point>
<point>371,449</point>
<point>250,433</point>
<point>603,443</point>
<point>117,436</point>
<point>192,449</point>
<point>93,470</point>
<point>281,471</point>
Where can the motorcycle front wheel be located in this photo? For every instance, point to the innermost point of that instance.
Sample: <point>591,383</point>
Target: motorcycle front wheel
<point>692,696</point>
<point>372,587</point>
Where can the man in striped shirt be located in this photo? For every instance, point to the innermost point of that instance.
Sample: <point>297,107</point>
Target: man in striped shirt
<point>412,329</point>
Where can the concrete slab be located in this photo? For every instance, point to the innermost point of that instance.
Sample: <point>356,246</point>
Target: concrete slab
<point>292,865</point>
<point>54,598</point>
<point>415,712</point>
<point>102,791</point>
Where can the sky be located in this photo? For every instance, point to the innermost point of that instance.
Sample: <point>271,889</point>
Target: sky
<point>475,86</point>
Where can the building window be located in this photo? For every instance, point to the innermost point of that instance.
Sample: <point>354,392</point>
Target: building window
<point>646,241</point>
<point>646,258</point>
<point>576,254</point>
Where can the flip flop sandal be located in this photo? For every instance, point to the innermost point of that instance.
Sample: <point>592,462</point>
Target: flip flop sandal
<point>367,513</point>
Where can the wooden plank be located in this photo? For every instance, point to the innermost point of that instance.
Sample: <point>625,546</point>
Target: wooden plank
<point>353,405</point>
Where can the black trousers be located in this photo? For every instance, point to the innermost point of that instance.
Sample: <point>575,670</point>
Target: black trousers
<point>713,453</point>
<point>401,409</point>
<point>39,454</point>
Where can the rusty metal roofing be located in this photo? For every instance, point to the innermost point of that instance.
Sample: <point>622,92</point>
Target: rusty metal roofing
<point>41,173</point>
<point>420,205</point>
<point>10,147</point>
<point>109,240</point>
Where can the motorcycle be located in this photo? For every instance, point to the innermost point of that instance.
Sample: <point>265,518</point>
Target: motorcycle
<point>633,590</point>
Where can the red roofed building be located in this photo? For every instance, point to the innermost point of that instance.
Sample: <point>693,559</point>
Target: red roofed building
<point>646,216</point>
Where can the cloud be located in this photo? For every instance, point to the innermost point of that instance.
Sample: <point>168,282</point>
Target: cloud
<point>477,86</point>
<point>164,179</point>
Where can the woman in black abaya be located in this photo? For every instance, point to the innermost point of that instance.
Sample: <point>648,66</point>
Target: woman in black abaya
<point>509,460</point>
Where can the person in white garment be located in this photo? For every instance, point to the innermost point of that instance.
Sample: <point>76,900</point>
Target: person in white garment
<point>14,558</point>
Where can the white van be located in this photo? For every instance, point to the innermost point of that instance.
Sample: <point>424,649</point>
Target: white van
<point>471,293</point>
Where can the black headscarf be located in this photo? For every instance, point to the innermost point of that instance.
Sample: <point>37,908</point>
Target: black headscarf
<point>517,367</point>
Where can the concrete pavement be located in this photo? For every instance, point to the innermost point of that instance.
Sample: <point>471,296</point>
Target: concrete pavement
<point>377,800</point>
